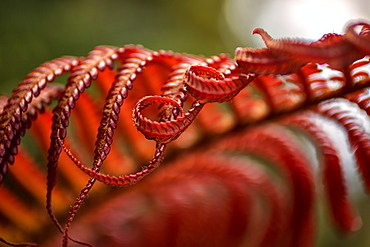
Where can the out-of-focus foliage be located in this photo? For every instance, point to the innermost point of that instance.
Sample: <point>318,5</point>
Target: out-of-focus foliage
<point>35,31</point>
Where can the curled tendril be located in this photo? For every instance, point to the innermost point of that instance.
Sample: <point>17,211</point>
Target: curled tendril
<point>164,131</point>
<point>115,180</point>
<point>209,85</point>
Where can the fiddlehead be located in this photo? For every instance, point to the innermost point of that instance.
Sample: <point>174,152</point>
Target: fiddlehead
<point>168,131</point>
<point>209,85</point>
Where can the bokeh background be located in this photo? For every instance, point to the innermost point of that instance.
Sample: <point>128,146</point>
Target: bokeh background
<point>32,32</point>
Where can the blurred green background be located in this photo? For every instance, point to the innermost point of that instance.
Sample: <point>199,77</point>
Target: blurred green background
<point>32,32</point>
